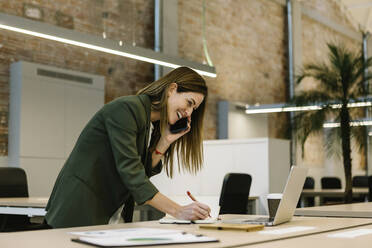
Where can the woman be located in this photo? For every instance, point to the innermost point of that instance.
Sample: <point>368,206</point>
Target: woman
<point>110,165</point>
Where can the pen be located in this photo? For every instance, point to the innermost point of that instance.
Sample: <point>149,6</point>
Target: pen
<point>193,198</point>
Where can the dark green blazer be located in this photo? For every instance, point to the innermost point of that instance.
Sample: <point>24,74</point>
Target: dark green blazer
<point>109,163</point>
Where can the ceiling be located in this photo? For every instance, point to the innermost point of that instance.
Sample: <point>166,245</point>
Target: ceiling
<point>360,11</point>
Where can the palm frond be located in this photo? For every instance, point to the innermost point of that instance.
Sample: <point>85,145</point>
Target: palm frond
<point>332,142</point>
<point>322,73</point>
<point>356,70</point>
<point>336,56</point>
<point>358,134</point>
<point>361,80</point>
<point>349,65</point>
<point>306,123</point>
<point>359,90</point>
<point>358,78</point>
<point>356,113</point>
<point>310,97</point>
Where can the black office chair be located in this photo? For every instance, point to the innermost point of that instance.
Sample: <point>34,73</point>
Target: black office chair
<point>370,188</point>
<point>235,193</point>
<point>308,201</point>
<point>13,183</point>
<point>331,183</point>
<point>360,182</point>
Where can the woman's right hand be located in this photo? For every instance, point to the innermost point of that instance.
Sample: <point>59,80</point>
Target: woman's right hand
<point>167,138</point>
<point>171,137</point>
<point>193,211</point>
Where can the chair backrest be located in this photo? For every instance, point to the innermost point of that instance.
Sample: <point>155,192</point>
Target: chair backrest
<point>235,193</point>
<point>330,183</point>
<point>307,201</point>
<point>370,188</point>
<point>309,183</point>
<point>13,182</point>
<point>360,181</point>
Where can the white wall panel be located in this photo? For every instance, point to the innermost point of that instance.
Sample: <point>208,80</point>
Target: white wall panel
<point>219,161</point>
<point>79,101</point>
<point>49,107</point>
<point>41,174</point>
<point>42,118</point>
<point>250,156</point>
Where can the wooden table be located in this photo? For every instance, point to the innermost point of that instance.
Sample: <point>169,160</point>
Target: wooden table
<point>321,193</point>
<point>333,192</point>
<point>35,206</point>
<point>326,239</point>
<point>61,238</point>
<point>31,206</point>
<point>359,210</point>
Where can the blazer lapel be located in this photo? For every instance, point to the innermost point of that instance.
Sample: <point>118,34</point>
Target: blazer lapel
<point>147,104</point>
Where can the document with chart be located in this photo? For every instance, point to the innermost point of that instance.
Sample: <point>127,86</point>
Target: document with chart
<point>138,237</point>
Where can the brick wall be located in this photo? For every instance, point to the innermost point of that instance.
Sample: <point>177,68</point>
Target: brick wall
<point>129,21</point>
<point>247,44</point>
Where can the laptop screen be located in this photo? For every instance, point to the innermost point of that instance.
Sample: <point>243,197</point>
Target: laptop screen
<point>291,194</point>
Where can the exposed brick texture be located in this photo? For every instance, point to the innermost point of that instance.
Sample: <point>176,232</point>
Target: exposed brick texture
<point>129,21</point>
<point>247,44</point>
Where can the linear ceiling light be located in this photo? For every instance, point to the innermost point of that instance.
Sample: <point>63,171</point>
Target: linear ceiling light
<point>275,108</point>
<point>50,32</point>
<point>356,123</point>
<point>279,108</point>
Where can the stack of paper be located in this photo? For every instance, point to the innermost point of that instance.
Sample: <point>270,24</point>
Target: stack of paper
<point>138,237</point>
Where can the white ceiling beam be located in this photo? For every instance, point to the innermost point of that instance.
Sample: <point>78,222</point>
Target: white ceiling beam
<point>359,5</point>
<point>367,18</point>
<point>72,37</point>
<point>331,24</point>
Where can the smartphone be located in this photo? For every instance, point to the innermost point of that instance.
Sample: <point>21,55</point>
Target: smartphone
<point>179,126</point>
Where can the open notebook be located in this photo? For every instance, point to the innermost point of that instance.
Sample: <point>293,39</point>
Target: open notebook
<point>211,201</point>
<point>213,219</point>
<point>171,220</point>
<point>130,237</point>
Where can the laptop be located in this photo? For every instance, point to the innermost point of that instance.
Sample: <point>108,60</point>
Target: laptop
<point>288,203</point>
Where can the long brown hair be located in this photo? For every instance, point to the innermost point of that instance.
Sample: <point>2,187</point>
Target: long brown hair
<point>189,147</point>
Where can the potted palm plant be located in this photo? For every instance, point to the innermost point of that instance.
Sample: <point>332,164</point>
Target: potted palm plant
<point>340,82</point>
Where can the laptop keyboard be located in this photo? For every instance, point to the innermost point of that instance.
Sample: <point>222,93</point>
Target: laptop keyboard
<point>261,219</point>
